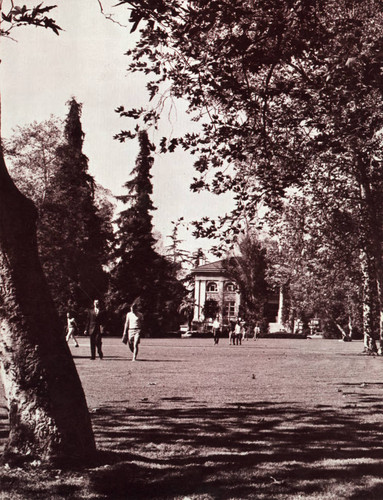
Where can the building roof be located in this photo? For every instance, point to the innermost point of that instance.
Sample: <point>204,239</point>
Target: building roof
<point>210,267</point>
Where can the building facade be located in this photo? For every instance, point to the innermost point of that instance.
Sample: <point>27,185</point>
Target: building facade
<point>210,284</point>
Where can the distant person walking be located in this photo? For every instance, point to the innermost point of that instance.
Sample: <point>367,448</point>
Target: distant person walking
<point>216,330</point>
<point>95,329</point>
<point>257,331</point>
<point>71,329</point>
<point>132,330</point>
<point>243,330</point>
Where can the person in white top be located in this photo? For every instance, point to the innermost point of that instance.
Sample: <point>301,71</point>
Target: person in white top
<point>216,330</point>
<point>71,328</point>
<point>132,330</point>
<point>238,333</point>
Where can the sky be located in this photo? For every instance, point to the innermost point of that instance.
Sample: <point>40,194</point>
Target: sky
<point>40,72</point>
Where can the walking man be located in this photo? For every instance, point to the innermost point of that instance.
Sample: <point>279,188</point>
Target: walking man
<point>132,330</point>
<point>95,328</point>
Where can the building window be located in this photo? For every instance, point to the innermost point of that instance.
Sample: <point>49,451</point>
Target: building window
<point>230,287</point>
<point>229,309</point>
<point>212,287</point>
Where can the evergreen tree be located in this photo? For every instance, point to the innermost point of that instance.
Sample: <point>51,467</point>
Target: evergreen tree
<point>33,154</point>
<point>72,241</point>
<point>140,273</point>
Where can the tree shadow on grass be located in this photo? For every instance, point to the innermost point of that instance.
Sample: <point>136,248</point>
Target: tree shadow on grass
<point>105,358</point>
<point>151,360</point>
<point>242,450</point>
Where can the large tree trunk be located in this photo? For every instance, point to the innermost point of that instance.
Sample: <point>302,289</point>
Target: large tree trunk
<point>373,238</point>
<point>48,414</point>
<point>371,257</point>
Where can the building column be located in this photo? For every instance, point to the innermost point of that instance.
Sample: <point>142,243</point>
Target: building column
<point>199,299</point>
<point>280,306</point>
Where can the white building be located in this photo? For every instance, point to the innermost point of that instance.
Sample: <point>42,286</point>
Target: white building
<point>210,283</point>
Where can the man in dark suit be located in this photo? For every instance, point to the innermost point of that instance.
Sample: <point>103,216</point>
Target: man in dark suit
<point>95,328</point>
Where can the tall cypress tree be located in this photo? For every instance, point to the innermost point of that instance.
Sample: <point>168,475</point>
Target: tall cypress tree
<point>139,271</point>
<point>74,245</point>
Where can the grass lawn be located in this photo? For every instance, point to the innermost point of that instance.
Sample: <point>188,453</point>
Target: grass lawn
<point>271,419</point>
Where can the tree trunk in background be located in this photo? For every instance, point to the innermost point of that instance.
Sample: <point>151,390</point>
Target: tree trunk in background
<point>379,286</point>
<point>342,331</point>
<point>48,414</point>
<point>370,256</point>
<point>350,326</point>
<point>367,280</point>
<point>280,306</point>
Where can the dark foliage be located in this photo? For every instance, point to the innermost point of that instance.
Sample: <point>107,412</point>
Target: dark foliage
<point>28,16</point>
<point>248,270</point>
<point>139,271</point>
<point>211,308</point>
<point>72,241</point>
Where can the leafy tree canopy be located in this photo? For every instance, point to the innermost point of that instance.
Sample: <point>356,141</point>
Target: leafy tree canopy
<point>275,85</point>
<point>18,16</point>
<point>32,156</point>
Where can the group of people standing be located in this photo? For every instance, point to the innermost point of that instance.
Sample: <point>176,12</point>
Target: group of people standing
<point>238,332</point>
<point>95,324</point>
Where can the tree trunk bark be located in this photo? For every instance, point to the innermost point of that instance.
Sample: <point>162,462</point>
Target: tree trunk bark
<point>48,414</point>
<point>371,256</point>
<point>367,280</point>
<point>373,242</point>
<point>350,326</point>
